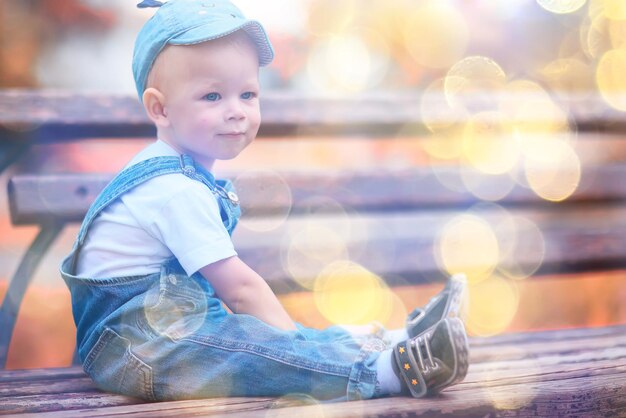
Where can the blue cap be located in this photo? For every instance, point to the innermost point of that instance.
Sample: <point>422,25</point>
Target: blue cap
<point>187,22</point>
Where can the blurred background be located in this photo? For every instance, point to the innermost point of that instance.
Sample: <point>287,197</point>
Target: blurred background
<point>559,52</point>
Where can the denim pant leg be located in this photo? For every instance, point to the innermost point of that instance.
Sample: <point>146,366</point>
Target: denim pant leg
<point>240,355</point>
<point>173,347</point>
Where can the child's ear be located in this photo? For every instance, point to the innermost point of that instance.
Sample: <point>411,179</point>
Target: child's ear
<point>154,103</point>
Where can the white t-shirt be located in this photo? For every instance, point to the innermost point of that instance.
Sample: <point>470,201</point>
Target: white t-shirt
<point>168,215</point>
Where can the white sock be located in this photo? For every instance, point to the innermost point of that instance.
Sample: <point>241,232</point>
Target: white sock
<point>395,336</point>
<point>387,381</point>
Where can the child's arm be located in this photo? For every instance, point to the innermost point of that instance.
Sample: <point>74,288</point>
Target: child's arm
<point>245,292</point>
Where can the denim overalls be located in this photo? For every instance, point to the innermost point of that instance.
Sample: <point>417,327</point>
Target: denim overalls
<point>166,335</point>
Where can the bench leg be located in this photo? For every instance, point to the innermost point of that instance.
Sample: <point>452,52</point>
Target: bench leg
<point>10,152</point>
<point>19,284</point>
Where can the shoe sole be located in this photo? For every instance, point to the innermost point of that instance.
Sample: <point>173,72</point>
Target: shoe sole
<point>460,347</point>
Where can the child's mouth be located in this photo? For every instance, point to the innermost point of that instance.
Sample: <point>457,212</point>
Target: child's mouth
<point>233,135</point>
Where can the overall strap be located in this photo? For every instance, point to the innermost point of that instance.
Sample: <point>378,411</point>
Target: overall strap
<point>137,174</point>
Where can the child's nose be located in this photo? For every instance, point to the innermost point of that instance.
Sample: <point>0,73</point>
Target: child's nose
<point>235,110</point>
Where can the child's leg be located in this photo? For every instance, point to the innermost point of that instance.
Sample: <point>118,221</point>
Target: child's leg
<point>176,341</point>
<point>236,355</point>
<point>180,344</point>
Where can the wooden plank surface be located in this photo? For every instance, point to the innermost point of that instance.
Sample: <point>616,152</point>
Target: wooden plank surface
<point>561,373</point>
<point>34,198</point>
<point>401,243</point>
<point>50,116</point>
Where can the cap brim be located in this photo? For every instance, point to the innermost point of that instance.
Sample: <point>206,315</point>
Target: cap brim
<point>216,30</point>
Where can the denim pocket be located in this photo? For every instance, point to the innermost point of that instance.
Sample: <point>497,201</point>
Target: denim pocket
<point>113,367</point>
<point>175,308</point>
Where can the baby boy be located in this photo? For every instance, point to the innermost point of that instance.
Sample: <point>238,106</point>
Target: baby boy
<point>154,264</point>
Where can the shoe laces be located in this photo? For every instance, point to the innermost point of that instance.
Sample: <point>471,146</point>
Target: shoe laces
<point>421,346</point>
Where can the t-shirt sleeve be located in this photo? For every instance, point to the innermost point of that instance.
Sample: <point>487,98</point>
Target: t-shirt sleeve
<point>189,224</point>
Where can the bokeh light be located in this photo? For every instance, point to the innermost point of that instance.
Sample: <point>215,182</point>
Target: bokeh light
<point>535,118</point>
<point>347,293</point>
<point>522,247</point>
<point>516,93</point>
<point>343,220</point>
<point>492,306</point>
<point>487,186</point>
<point>521,242</point>
<point>446,144</point>
<point>467,244</point>
<point>449,175</point>
<point>610,78</point>
<point>614,9</point>
<point>617,33</point>
<point>561,6</point>
<point>275,191</point>
<point>490,144</point>
<point>568,75</point>
<point>599,34</point>
<point>473,83</point>
<point>444,120</point>
<point>437,113</point>
<point>436,34</point>
<point>322,23</point>
<point>345,64</point>
<point>310,248</point>
<point>554,174</point>
<point>540,121</point>
<point>387,18</point>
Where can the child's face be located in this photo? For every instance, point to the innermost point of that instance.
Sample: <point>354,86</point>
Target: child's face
<point>211,95</point>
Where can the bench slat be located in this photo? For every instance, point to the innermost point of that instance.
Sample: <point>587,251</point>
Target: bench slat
<point>554,352</point>
<point>399,246</point>
<point>27,375</point>
<point>62,116</point>
<point>67,197</point>
<point>62,402</point>
<point>569,334</point>
<point>577,235</point>
<point>66,385</point>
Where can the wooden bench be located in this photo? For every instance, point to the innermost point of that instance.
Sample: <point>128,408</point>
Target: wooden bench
<point>577,372</point>
<point>568,373</point>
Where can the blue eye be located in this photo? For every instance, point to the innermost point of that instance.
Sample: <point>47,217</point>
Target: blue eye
<point>212,97</point>
<point>248,95</point>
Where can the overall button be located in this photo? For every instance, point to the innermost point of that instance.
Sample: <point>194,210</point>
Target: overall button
<point>232,196</point>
